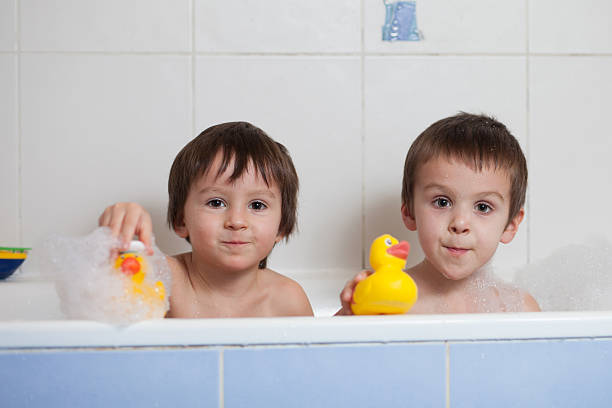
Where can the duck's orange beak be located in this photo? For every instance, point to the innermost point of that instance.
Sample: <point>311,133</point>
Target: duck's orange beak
<point>130,266</point>
<point>399,250</point>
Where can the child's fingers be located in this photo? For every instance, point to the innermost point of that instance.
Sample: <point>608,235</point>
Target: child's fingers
<point>132,222</point>
<point>116,220</point>
<point>346,296</point>
<point>105,217</point>
<point>145,232</point>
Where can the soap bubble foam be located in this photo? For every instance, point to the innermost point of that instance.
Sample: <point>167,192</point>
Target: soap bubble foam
<point>490,294</point>
<point>574,277</point>
<point>90,288</point>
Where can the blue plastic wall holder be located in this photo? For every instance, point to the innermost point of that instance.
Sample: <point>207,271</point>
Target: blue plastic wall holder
<point>400,21</point>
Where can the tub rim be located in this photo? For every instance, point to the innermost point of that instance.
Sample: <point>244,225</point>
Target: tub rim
<point>306,330</point>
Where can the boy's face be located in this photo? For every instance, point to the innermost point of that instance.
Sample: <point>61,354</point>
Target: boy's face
<point>231,225</point>
<point>460,214</point>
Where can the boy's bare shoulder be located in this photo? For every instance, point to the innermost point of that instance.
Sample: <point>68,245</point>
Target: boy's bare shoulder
<point>530,304</point>
<point>178,266</point>
<point>286,295</point>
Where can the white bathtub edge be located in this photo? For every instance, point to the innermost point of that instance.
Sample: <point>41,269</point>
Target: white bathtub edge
<point>306,330</point>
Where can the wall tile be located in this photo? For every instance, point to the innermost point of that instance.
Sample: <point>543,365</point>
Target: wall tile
<point>567,373</point>
<point>472,26</point>
<point>9,153</point>
<point>8,31</point>
<point>565,26</point>
<point>404,95</point>
<point>185,378</point>
<point>371,376</point>
<point>115,25</point>
<point>97,130</point>
<point>278,26</point>
<point>570,169</point>
<point>312,105</point>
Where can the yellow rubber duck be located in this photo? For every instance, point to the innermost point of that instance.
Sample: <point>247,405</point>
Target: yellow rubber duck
<point>389,290</point>
<point>134,265</point>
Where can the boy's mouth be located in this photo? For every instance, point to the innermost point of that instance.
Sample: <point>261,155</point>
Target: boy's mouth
<point>234,242</point>
<point>456,251</point>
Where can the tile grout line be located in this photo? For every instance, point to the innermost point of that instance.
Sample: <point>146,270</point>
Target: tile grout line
<point>18,75</point>
<point>221,379</point>
<point>363,141</point>
<point>193,71</point>
<point>441,54</point>
<point>447,374</point>
<point>313,54</point>
<point>528,128</point>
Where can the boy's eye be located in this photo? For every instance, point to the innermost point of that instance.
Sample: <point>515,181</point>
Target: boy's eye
<point>215,203</point>
<point>441,202</point>
<point>483,208</point>
<point>257,205</point>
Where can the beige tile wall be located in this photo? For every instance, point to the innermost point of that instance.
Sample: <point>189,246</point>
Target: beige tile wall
<point>98,97</point>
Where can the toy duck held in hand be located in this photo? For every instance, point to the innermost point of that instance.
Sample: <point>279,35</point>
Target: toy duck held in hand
<point>389,290</point>
<point>132,264</point>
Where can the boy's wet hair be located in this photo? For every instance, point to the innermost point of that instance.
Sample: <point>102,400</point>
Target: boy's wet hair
<point>480,142</point>
<point>245,144</point>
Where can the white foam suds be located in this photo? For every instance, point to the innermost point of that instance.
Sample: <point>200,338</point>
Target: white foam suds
<point>90,287</point>
<point>575,277</point>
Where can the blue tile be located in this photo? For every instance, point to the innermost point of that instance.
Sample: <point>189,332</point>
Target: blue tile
<point>554,373</point>
<point>124,378</point>
<point>336,376</point>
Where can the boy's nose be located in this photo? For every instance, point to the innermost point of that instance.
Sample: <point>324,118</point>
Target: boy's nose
<point>459,224</point>
<point>235,219</point>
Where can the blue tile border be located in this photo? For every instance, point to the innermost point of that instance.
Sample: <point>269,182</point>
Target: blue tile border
<point>553,373</point>
<point>383,375</point>
<point>110,378</point>
<point>503,373</point>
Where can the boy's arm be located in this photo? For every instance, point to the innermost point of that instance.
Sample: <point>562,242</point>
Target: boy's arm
<point>126,220</point>
<point>346,296</point>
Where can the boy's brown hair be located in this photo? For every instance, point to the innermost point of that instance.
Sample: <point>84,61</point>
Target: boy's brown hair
<point>245,144</point>
<point>480,142</point>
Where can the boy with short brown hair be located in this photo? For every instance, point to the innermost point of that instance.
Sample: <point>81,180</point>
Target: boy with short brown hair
<point>464,185</point>
<point>232,196</point>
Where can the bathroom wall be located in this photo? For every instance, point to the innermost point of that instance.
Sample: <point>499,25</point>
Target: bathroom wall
<point>96,98</point>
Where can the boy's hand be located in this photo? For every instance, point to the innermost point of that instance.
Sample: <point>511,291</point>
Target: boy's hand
<point>346,296</point>
<point>126,220</point>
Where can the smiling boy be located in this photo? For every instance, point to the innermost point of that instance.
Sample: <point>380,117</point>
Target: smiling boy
<point>465,179</point>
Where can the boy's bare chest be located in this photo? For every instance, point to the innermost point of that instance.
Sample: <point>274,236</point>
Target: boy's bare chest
<point>438,304</point>
<point>197,303</point>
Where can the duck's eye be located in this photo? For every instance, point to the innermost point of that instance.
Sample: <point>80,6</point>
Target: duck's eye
<point>388,242</point>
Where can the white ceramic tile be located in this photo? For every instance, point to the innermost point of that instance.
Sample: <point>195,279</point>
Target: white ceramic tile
<point>565,26</point>
<point>469,26</point>
<point>8,32</point>
<point>312,106</point>
<point>97,130</point>
<point>278,26</point>
<point>112,25</point>
<point>570,101</point>
<point>404,95</point>
<point>9,154</point>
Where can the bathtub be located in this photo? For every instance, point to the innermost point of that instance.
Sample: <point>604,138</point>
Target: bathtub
<point>538,359</point>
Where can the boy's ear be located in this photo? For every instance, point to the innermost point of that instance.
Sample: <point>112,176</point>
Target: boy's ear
<point>181,230</point>
<point>512,227</point>
<point>408,218</point>
<point>278,238</point>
